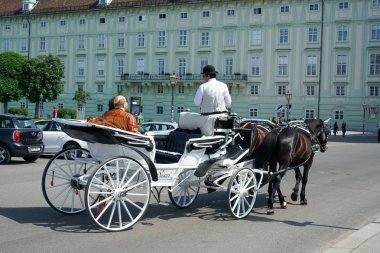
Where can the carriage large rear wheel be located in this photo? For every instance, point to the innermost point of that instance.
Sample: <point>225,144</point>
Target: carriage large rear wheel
<point>63,180</point>
<point>241,192</point>
<point>124,189</point>
<point>186,190</point>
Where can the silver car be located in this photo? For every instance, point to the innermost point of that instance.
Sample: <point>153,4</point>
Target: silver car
<point>55,139</point>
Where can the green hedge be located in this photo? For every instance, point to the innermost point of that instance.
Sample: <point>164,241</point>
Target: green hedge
<point>20,111</point>
<point>67,113</point>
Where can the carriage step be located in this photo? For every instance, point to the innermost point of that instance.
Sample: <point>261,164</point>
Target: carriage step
<point>203,167</point>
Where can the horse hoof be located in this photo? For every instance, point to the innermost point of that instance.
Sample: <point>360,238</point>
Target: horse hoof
<point>270,212</point>
<point>303,202</point>
<point>294,196</point>
<point>284,205</point>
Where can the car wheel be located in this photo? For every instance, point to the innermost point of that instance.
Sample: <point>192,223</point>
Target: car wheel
<point>5,156</point>
<point>31,158</point>
<point>71,145</point>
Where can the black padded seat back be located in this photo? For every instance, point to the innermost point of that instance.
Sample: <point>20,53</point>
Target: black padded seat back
<point>176,141</point>
<point>224,123</point>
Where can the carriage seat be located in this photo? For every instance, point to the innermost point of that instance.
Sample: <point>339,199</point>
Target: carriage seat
<point>175,146</point>
<point>208,125</point>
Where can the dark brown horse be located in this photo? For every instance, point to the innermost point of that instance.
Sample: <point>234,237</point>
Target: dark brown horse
<point>290,148</point>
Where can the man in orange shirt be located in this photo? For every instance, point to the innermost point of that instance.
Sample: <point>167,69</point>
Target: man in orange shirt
<point>118,117</point>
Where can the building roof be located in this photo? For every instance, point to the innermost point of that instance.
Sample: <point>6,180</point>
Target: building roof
<point>14,7</point>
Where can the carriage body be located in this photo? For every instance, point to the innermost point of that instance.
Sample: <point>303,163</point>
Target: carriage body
<point>121,170</point>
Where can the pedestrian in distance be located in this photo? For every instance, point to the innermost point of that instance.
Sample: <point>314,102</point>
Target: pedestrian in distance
<point>55,112</point>
<point>335,128</point>
<point>344,128</point>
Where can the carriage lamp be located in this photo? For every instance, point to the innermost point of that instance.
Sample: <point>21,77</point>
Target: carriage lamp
<point>365,106</point>
<point>288,97</point>
<point>173,83</point>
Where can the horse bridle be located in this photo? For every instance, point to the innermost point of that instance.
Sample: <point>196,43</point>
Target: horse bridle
<point>323,130</point>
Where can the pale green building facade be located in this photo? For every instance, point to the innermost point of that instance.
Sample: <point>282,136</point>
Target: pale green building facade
<point>326,53</point>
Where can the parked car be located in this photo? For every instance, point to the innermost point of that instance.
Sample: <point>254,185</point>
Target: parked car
<point>55,139</point>
<point>159,126</point>
<point>19,137</point>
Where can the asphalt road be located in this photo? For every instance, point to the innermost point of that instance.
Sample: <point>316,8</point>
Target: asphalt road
<point>343,195</point>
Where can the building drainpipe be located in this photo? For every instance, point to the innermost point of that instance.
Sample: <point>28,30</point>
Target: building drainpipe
<point>320,65</point>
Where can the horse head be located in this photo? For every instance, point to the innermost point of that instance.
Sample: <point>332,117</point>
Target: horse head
<point>319,130</point>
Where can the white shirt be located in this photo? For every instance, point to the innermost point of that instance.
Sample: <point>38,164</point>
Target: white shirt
<point>213,96</point>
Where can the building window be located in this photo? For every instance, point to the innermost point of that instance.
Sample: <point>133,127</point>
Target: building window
<point>61,43</point>
<point>24,44</point>
<point>140,66</point>
<point>162,16</point>
<point>159,109</point>
<point>100,88</point>
<point>43,24</point>
<point>99,108</point>
<point>120,88</point>
<point>342,33</point>
<point>228,65</point>
<point>160,89</point>
<point>312,34</point>
<point>310,90</point>
<point>121,19</point>
<point>7,27</point>
<point>24,25</point>
<point>181,89</point>
<point>256,37</point>
<point>140,89</point>
<point>181,66</point>
<point>256,11</point>
<point>120,67</point>
<point>281,89</point>
<point>313,7</point>
<point>82,21</point>
<point>22,104</point>
<point>341,65</point>
<point>376,3</point>
<point>309,114</point>
<point>253,112</point>
<point>311,65</point>
<point>6,45</point>
<point>374,91</point>
<point>205,38</point>
<point>205,14</point>
<point>141,18</point>
<point>340,91</point>
<point>121,40</point>
<point>101,41</point>
<point>343,5</point>
<point>42,43</point>
<point>230,12</point>
<point>81,42</point>
<point>254,90</point>
<point>161,38</point>
<point>284,35</point>
<point>180,109</point>
<point>140,39</point>
<point>161,66</point>
<point>183,15</point>
<point>375,32</point>
<point>183,38</point>
<point>282,65</point>
<point>81,68</point>
<point>374,64</point>
<point>62,23</point>
<point>102,20</point>
<point>284,9</point>
<point>229,38</point>
<point>100,68</point>
<point>338,114</point>
<point>204,62</point>
<point>255,61</point>
<point>60,105</point>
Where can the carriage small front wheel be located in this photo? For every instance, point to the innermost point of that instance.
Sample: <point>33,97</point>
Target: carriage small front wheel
<point>241,192</point>
<point>186,190</point>
<point>124,189</point>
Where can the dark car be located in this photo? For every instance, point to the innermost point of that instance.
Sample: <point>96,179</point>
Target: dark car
<point>19,137</point>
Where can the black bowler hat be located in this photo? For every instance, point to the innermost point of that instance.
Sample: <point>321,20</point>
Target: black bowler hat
<point>209,69</point>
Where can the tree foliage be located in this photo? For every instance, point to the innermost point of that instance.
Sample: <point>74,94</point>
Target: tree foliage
<point>42,79</point>
<point>81,96</point>
<point>10,73</point>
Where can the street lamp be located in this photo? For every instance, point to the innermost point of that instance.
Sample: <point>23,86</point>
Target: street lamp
<point>364,109</point>
<point>173,82</point>
<point>288,97</point>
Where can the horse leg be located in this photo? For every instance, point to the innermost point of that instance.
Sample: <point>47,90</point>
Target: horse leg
<point>296,188</point>
<point>307,166</point>
<point>281,198</point>
<point>270,210</point>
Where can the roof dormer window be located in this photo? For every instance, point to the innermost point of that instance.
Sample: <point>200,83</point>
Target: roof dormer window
<point>28,5</point>
<point>104,2</point>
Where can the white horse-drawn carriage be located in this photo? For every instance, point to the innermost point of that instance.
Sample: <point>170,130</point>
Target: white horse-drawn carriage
<point>116,177</point>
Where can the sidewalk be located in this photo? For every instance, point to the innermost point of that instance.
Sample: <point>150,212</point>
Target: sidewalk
<point>365,240</point>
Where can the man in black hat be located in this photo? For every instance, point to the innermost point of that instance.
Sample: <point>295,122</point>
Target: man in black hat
<point>212,96</point>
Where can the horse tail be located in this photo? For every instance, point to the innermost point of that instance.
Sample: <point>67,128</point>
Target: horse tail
<point>266,149</point>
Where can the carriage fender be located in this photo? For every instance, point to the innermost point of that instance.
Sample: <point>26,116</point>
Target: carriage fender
<point>151,166</point>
